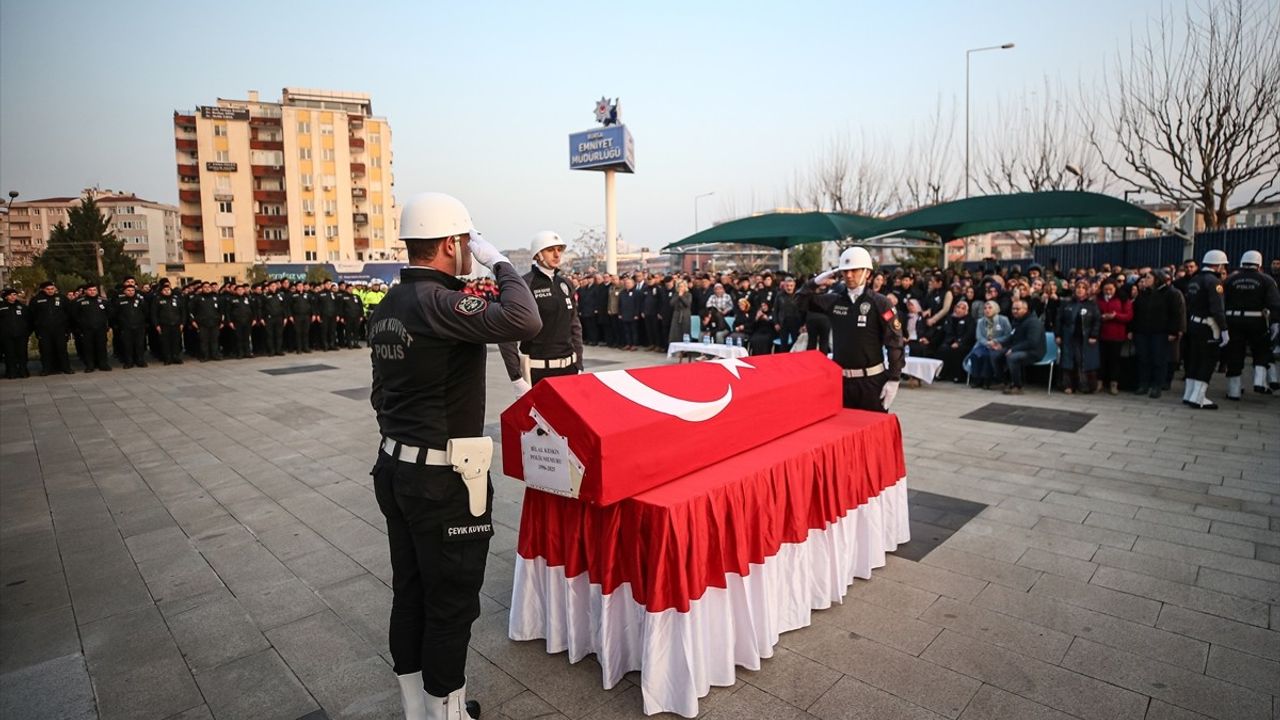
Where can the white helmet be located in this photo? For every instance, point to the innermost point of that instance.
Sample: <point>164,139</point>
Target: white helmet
<point>1215,257</point>
<point>855,258</point>
<point>433,215</point>
<point>1253,257</point>
<point>543,240</point>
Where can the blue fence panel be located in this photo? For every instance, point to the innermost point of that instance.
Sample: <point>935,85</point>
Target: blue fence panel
<point>1237,241</point>
<point>1141,252</point>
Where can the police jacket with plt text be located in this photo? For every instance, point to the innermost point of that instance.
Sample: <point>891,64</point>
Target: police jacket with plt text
<point>561,334</point>
<point>863,328</point>
<point>427,339</point>
<point>1248,290</point>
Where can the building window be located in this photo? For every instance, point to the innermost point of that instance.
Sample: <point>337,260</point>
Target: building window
<point>377,209</point>
<point>309,206</point>
<point>224,206</point>
<point>304,128</point>
<point>330,207</point>
<point>306,181</point>
<point>228,257</point>
<point>377,233</point>
<point>304,153</point>
<point>219,129</point>
<point>326,129</point>
<point>331,231</point>
<point>227,233</point>
<point>376,161</point>
<point>375,138</point>
<point>309,255</point>
<point>223,156</point>
<point>273,234</point>
<point>328,154</point>
<point>308,230</point>
<point>328,181</point>
<point>335,255</point>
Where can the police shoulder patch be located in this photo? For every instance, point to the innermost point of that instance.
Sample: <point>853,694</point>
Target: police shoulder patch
<point>887,315</point>
<point>470,305</point>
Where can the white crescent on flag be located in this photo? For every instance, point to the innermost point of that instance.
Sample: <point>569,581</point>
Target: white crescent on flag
<point>623,383</point>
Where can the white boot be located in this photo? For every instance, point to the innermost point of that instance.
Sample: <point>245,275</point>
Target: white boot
<point>1233,388</point>
<point>1201,401</point>
<point>453,707</point>
<point>1188,391</point>
<point>1273,375</point>
<point>1260,380</point>
<point>413,697</point>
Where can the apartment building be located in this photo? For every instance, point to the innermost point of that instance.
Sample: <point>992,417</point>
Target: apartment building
<point>306,179</point>
<point>147,228</point>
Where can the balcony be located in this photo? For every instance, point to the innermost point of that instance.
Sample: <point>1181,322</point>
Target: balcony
<point>260,121</point>
<point>269,196</point>
<point>185,144</point>
<point>271,220</point>
<point>276,247</point>
<point>182,120</point>
<point>355,121</point>
<point>362,243</point>
<point>357,169</point>
<point>360,218</point>
<point>191,196</point>
<point>266,144</point>
<point>359,192</point>
<point>189,170</point>
<point>357,144</point>
<point>193,246</point>
<point>268,171</point>
<point>192,221</point>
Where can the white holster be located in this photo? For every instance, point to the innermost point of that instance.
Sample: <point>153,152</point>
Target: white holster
<point>525,369</point>
<point>1213,327</point>
<point>471,458</point>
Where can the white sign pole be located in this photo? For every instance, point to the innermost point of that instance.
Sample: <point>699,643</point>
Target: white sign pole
<point>610,222</point>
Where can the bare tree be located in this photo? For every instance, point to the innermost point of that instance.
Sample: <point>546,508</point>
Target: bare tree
<point>589,246</point>
<point>1191,113</point>
<point>845,180</point>
<point>928,172</point>
<point>1037,144</point>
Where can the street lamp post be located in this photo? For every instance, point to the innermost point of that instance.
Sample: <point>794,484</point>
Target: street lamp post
<point>8,237</point>
<point>696,198</point>
<point>967,53</point>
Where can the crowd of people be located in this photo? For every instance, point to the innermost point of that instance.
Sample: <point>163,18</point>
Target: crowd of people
<point>160,323</point>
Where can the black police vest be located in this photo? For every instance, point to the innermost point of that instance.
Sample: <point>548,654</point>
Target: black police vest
<point>91,313</point>
<point>858,329</point>
<point>554,297</point>
<point>1246,290</point>
<point>168,311</point>
<point>130,312</point>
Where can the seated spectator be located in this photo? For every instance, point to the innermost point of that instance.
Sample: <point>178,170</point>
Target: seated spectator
<point>713,324</point>
<point>763,329</point>
<point>915,330</point>
<point>957,340</point>
<point>993,332</point>
<point>1026,345</point>
<point>720,300</point>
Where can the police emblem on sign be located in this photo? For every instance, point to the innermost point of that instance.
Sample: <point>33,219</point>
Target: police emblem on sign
<point>470,305</point>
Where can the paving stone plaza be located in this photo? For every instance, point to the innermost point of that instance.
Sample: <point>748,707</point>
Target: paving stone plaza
<point>203,542</point>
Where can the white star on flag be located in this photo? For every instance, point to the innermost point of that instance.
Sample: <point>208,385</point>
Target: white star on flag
<point>732,365</point>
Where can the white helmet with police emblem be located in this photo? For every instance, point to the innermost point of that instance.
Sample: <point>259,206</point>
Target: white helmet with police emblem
<point>433,215</point>
<point>855,258</point>
<point>543,240</point>
<point>1215,257</point>
<point>1253,257</point>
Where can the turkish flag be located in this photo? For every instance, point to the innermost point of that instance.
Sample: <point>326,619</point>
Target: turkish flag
<point>633,430</point>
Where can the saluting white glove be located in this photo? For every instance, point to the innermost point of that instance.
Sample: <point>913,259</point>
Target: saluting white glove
<point>888,393</point>
<point>484,252</point>
<point>521,386</point>
<point>1226,338</point>
<point>824,276</point>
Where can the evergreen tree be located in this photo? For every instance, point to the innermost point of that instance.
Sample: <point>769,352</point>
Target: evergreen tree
<point>72,246</point>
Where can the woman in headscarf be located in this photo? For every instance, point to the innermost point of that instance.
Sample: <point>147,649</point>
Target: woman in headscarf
<point>993,332</point>
<point>1079,324</point>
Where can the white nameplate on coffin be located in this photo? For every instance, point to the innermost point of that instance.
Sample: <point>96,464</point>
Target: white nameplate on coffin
<point>549,465</point>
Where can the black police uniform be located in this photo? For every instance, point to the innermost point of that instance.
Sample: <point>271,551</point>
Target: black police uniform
<point>326,304</point>
<point>300,309</point>
<point>92,316</point>
<point>1204,304</point>
<point>1249,299</point>
<point>427,339</point>
<point>15,328</point>
<point>258,331</point>
<point>240,314</point>
<point>130,315</point>
<point>557,349</point>
<point>351,310</point>
<point>50,318</point>
<point>166,313</point>
<point>274,310</point>
<point>864,327</point>
<point>206,313</point>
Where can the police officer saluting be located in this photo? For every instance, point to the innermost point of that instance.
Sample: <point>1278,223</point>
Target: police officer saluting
<point>427,339</point>
<point>1250,297</point>
<point>864,327</point>
<point>557,349</point>
<point>1207,331</point>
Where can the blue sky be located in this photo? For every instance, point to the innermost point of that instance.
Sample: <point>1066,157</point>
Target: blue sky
<point>725,97</point>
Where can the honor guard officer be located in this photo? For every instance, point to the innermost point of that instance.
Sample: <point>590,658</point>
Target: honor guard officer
<point>1250,297</point>
<point>427,338</point>
<point>1207,331</point>
<point>15,328</point>
<point>557,349</point>
<point>864,327</point>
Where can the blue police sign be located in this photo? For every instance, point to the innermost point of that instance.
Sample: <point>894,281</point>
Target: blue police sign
<point>608,148</point>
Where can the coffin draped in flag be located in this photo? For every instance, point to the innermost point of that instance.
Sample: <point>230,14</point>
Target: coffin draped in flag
<point>609,436</point>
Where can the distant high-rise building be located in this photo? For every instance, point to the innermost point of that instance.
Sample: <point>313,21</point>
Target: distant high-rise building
<point>147,228</point>
<point>307,179</point>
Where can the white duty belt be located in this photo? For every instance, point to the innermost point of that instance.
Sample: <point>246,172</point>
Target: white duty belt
<point>1245,313</point>
<point>469,457</point>
<point>862,372</point>
<point>555,364</point>
<point>1213,325</point>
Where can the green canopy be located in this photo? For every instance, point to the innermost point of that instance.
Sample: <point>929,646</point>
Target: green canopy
<point>784,230</point>
<point>1023,211</point>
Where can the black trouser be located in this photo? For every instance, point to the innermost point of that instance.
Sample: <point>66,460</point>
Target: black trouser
<point>93,348</point>
<point>351,332</point>
<point>630,333</point>
<point>133,345</point>
<point>302,335</point>
<point>653,330</point>
<point>590,335</point>
<point>1112,363</point>
<point>209,342</point>
<point>53,352</point>
<point>15,356</point>
<point>953,362</point>
<point>1248,333</point>
<point>329,332</point>
<point>259,337</point>
<point>863,393</point>
<point>1152,352</point>
<point>191,339</point>
<point>242,333</point>
<point>171,344</point>
<point>435,580</point>
<point>536,374</point>
<point>790,333</point>
<point>1202,352</point>
<point>819,328</point>
<point>273,332</point>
